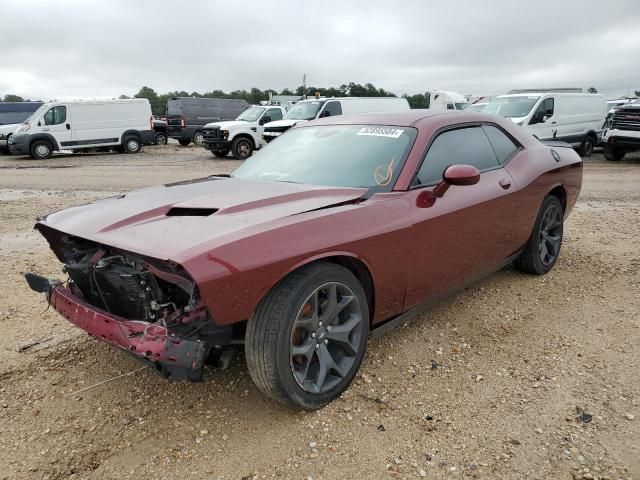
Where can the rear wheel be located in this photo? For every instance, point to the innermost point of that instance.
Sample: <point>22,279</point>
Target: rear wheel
<point>131,144</point>
<point>41,150</point>
<point>613,154</point>
<point>220,153</point>
<point>241,148</point>
<point>307,338</point>
<point>586,148</point>
<point>198,138</point>
<point>543,248</point>
<point>184,143</point>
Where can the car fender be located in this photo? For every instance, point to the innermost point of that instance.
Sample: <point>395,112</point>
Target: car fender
<point>43,136</point>
<point>249,131</point>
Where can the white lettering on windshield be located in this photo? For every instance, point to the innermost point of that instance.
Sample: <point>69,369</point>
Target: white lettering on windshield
<point>380,132</point>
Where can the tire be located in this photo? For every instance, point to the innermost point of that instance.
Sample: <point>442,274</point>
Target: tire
<point>279,325</point>
<point>160,138</point>
<point>220,153</point>
<point>131,144</point>
<point>241,148</point>
<point>41,150</point>
<point>543,248</point>
<point>198,138</point>
<point>613,154</point>
<point>184,143</point>
<point>586,148</point>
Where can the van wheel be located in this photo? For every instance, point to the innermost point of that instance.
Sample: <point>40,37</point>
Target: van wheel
<point>41,150</point>
<point>241,148</point>
<point>198,138</point>
<point>220,153</point>
<point>613,154</point>
<point>131,145</point>
<point>586,149</point>
<point>161,138</point>
<point>306,340</point>
<point>184,143</point>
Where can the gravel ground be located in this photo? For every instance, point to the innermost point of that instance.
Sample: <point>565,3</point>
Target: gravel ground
<point>517,377</point>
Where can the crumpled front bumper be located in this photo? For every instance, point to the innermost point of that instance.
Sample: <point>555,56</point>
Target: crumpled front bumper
<point>177,358</point>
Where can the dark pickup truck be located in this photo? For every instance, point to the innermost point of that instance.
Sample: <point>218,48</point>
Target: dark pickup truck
<point>186,116</point>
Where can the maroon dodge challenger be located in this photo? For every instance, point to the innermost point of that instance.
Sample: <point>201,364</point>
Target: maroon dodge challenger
<point>342,227</point>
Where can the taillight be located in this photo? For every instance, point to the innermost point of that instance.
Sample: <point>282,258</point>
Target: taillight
<point>151,122</point>
<point>182,122</point>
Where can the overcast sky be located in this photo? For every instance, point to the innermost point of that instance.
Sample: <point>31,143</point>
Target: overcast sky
<point>86,49</point>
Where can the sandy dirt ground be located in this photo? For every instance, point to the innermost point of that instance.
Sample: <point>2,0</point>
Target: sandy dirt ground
<point>536,377</point>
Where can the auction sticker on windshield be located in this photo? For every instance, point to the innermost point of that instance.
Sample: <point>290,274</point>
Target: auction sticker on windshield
<point>380,132</point>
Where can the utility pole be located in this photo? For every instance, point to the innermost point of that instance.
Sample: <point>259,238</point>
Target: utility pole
<point>304,86</point>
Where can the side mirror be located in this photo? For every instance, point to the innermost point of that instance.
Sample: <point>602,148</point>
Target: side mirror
<point>39,124</point>
<point>544,118</point>
<point>326,113</point>
<point>459,175</point>
<point>265,119</point>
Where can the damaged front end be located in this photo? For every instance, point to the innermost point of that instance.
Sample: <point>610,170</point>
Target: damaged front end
<point>148,307</point>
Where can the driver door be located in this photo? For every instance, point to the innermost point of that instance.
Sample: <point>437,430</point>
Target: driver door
<point>56,121</point>
<point>542,124</point>
<point>466,233</point>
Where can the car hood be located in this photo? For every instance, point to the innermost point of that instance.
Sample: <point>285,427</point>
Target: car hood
<point>230,123</point>
<point>176,221</point>
<point>283,123</point>
<point>5,129</point>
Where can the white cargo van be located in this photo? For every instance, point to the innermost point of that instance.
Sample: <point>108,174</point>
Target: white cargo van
<point>122,125</point>
<point>306,110</point>
<point>575,118</point>
<point>443,100</point>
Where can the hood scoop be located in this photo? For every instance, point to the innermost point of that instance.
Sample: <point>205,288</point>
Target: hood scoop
<point>190,212</point>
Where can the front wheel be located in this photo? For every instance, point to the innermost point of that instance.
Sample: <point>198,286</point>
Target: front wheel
<point>613,154</point>
<point>241,148</point>
<point>543,248</point>
<point>306,340</point>
<point>198,138</point>
<point>41,150</point>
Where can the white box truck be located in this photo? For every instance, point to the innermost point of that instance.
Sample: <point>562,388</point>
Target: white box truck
<point>306,110</point>
<point>575,118</point>
<point>121,125</point>
<point>444,100</point>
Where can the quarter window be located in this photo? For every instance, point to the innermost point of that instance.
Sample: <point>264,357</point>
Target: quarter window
<point>55,115</point>
<point>467,145</point>
<point>503,146</point>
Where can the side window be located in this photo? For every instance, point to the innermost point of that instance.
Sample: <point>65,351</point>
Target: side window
<point>56,115</point>
<point>467,145</point>
<point>544,109</point>
<point>502,145</point>
<point>331,109</point>
<point>450,106</point>
<point>275,114</point>
<point>548,106</point>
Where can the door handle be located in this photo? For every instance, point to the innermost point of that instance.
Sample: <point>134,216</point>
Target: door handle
<point>505,183</point>
<point>553,123</point>
<point>68,127</point>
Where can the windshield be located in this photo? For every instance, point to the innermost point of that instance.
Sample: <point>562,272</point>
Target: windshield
<point>303,111</point>
<point>37,113</point>
<point>251,114</point>
<point>332,155</point>
<point>511,107</point>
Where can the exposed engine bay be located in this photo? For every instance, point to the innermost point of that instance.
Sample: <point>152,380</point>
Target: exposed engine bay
<point>152,306</point>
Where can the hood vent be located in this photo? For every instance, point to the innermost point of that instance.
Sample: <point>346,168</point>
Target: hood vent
<point>191,212</point>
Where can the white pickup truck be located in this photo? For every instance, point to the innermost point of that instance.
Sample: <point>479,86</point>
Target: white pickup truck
<point>241,136</point>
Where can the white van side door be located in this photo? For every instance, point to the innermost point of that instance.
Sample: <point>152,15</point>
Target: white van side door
<point>56,122</point>
<point>542,123</point>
